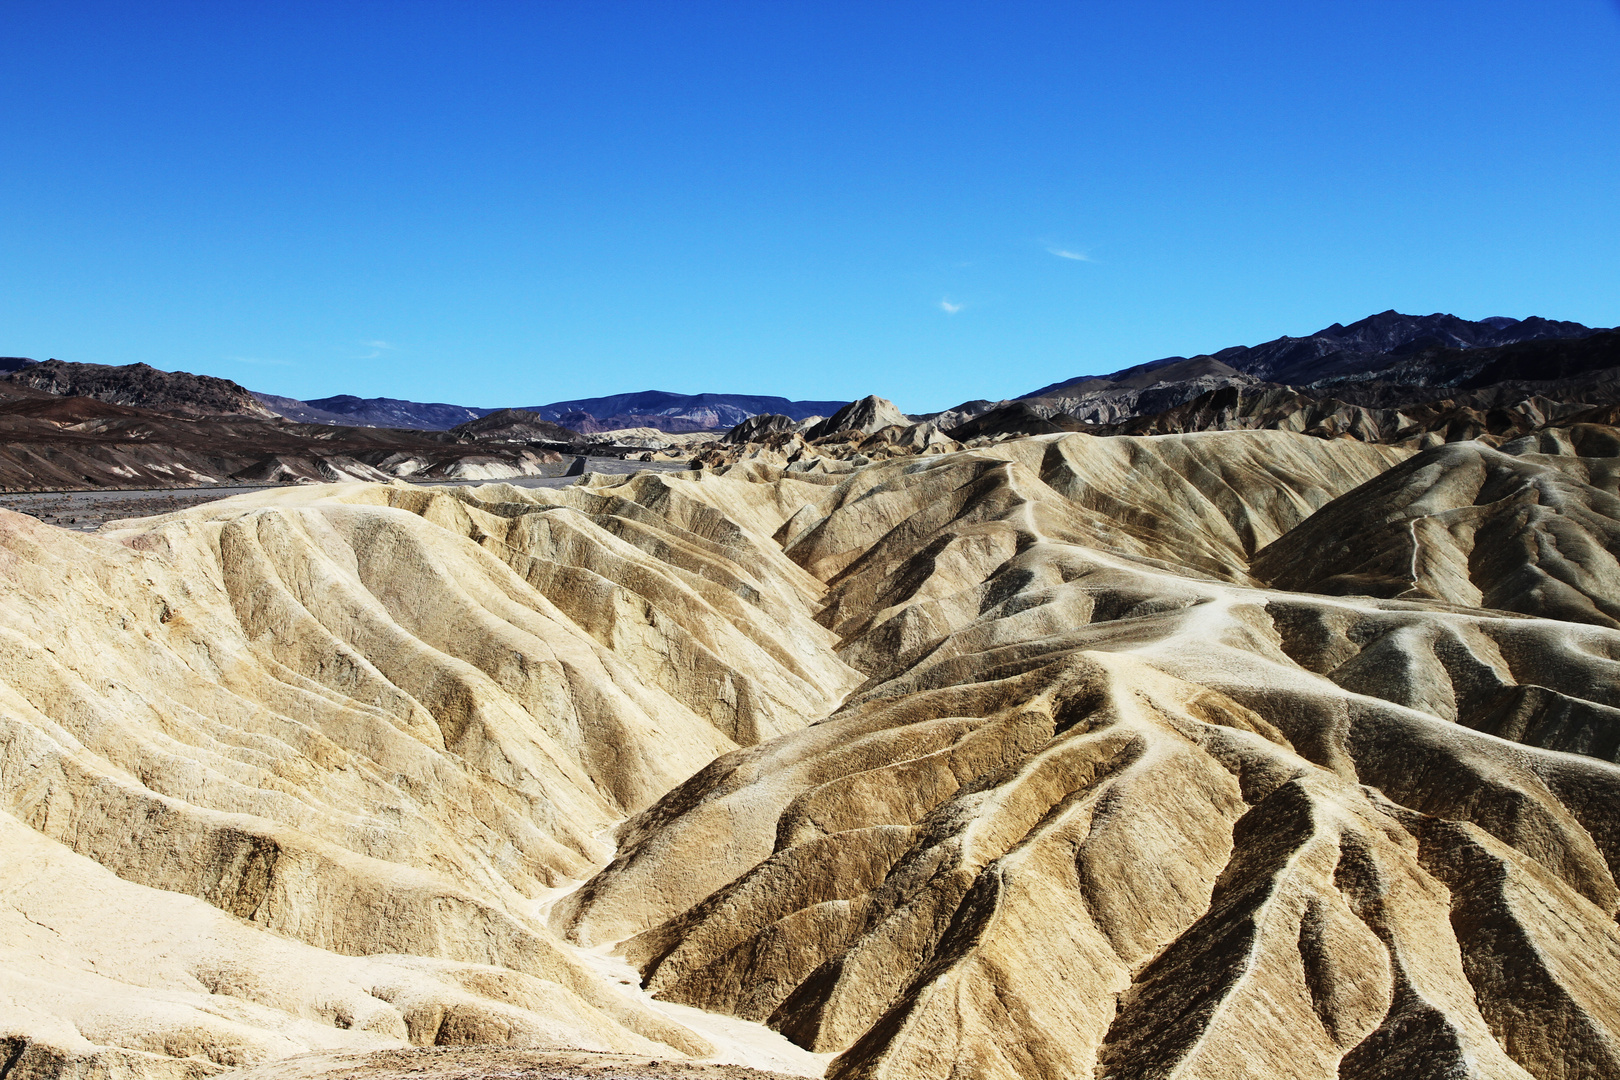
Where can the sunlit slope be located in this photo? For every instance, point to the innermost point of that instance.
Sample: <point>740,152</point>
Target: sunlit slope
<point>1012,762</point>
<point>1533,527</point>
<point>1094,813</point>
<point>352,719</point>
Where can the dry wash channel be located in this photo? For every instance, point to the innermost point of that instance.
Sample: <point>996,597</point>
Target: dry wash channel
<point>1011,762</point>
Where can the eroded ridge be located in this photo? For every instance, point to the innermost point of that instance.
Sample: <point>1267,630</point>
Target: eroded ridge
<point>1107,805</point>
<point>292,772</point>
<point>1008,762</point>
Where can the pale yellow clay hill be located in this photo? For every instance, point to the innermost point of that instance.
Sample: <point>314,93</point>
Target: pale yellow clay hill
<point>1008,762</point>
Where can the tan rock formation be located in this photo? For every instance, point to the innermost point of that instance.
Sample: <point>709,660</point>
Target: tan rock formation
<point>1096,812</point>
<point>869,414</point>
<point>1529,531</point>
<point>1007,762</point>
<point>350,720</point>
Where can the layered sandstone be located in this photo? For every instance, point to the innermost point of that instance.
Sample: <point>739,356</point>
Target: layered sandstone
<point>1107,805</point>
<point>1026,760</point>
<point>324,754</point>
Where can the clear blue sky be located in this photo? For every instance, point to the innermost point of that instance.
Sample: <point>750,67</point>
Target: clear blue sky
<point>510,203</point>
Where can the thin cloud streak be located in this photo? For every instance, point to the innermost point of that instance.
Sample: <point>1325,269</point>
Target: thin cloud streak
<point>1077,256</point>
<point>949,308</point>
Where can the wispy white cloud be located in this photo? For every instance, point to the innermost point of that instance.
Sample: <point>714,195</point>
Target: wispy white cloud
<point>1064,253</point>
<point>377,349</point>
<point>949,308</point>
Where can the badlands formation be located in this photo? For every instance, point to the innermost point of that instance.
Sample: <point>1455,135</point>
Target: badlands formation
<point>1235,754</point>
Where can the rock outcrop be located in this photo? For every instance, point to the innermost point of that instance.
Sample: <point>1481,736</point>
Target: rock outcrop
<point>1016,419</point>
<point>758,428</point>
<point>867,415</point>
<point>143,386</point>
<point>1422,424</point>
<point>514,425</point>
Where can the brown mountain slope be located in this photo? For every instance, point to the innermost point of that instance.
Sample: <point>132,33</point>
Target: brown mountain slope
<point>144,386</point>
<point>48,442</point>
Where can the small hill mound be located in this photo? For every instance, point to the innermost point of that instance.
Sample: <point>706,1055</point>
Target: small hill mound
<point>515,425</point>
<point>1016,418</point>
<point>756,428</point>
<point>869,414</point>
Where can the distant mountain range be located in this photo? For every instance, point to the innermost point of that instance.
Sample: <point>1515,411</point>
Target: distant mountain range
<point>179,392</point>
<point>1359,362</point>
<point>649,408</point>
<point>675,412</point>
<point>354,411</point>
<point>1362,350</point>
<point>1386,361</point>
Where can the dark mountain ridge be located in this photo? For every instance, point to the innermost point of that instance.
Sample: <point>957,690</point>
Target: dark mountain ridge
<point>1363,350</point>
<point>1430,394</point>
<point>142,386</point>
<point>394,412</point>
<point>1388,360</point>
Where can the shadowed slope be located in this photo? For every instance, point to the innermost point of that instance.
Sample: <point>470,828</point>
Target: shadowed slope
<point>1532,532</point>
<point>1090,814</point>
<point>1001,763</point>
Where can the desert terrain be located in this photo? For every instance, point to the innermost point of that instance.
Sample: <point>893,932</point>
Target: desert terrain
<point>1171,724</point>
<point>810,541</point>
<point>1222,754</point>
